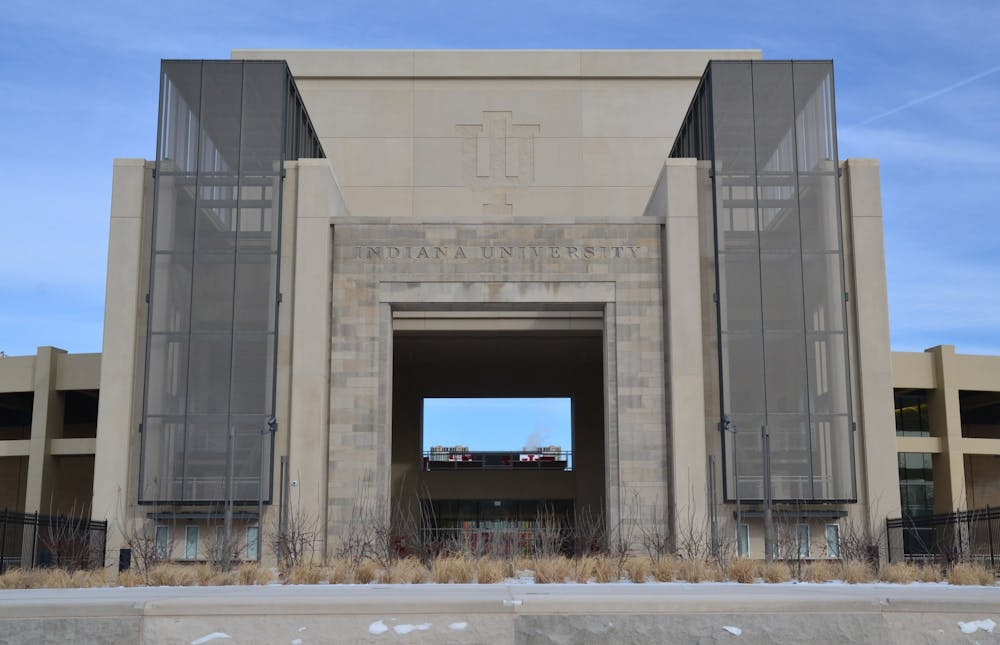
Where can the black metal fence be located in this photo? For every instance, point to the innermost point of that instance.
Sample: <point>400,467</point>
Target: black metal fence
<point>966,536</point>
<point>30,540</point>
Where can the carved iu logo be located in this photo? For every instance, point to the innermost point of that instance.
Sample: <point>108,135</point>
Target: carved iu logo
<point>498,154</point>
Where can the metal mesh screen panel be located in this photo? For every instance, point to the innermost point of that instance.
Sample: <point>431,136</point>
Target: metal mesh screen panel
<point>213,295</point>
<point>769,130</point>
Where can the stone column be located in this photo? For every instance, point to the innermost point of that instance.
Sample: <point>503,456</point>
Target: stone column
<point>877,475</point>
<point>948,467</point>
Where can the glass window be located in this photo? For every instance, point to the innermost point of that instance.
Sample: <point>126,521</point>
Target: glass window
<point>253,538</point>
<point>833,540</point>
<point>743,539</point>
<point>162,542</point>
<point>191,543</point>
<point>911,413</point>
<point>802,538</point>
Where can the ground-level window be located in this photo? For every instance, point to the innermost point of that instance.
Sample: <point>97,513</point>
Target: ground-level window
<point>833,540</point>
<point>191,543</point>
<point>253,539</point>
<point>162,540</point>
<point>743,539</point>
<point>802,537</point>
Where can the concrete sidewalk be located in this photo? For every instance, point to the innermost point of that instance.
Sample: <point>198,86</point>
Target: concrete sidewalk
<point>505,613</point>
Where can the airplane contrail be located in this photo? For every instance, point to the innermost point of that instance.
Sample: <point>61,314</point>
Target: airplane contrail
<point>927,97</point>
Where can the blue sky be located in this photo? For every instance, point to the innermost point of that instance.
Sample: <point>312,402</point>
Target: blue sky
<point>498,423</point>
<point>918,86</point>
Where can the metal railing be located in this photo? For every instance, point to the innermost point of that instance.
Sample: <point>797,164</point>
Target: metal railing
<point>493,460</point>
<point>964,536</point>
<point>30,540</point>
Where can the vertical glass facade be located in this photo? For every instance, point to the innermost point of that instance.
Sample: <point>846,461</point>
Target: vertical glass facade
<point>225,130</point>
<point>768,127</point>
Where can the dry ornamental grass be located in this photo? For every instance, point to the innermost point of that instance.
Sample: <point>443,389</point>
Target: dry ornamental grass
<point>552,569</point>
<point>743,570</point>
<point>638,569</point>
<point>490,571</point>
<point>970,574</point>
<point>854,572</point>
<point>665,569</point>
<point>900,573</point>
<point>819,571</point>
<point>453,568</point>
<point>775,572</point>
<point>693,570</point>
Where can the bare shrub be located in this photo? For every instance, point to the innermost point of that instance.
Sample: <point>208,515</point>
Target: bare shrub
<point>819,571</point>
<point>552,569</point>
<point>855,572</point>
<point>666,568</point>
<point>254,573</point>
<point>490,571</point>
<point>861,541</point>
<point>899,573</point>
<point>655,534</point>
<point>638,568</point>
<point>140,538</point>
<point>69,541</point>
<point>292,537</point>
<point>548,534</point>
<point>591,535</point>
<point>742,570</point>
<point>970,574</point>
<point>775,572</point>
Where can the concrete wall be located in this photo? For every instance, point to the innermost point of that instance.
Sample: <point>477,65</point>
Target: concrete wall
<point>533,133</point>
<point>963,466</point>
<point>380,266</point>
<point>46,466</point>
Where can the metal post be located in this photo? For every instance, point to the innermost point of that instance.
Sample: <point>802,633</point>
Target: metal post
<point>765,437</point>
<point>989,533</point>
<point>729,427</point>
<point>34,542</point>
<point>227,522</point>
<point>3,540</point>
<point>713,512</point>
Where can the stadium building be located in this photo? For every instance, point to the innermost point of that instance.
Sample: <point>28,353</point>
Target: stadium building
<point>663,244</point>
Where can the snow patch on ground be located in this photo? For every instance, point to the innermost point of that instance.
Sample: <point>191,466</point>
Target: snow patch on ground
<point>210,637</point>
<point>297,641</point>
<point>458,626</point>
<point>973,626</point>
<point>406,629</point>
<point>378,627</point>
<point>735,631</point>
